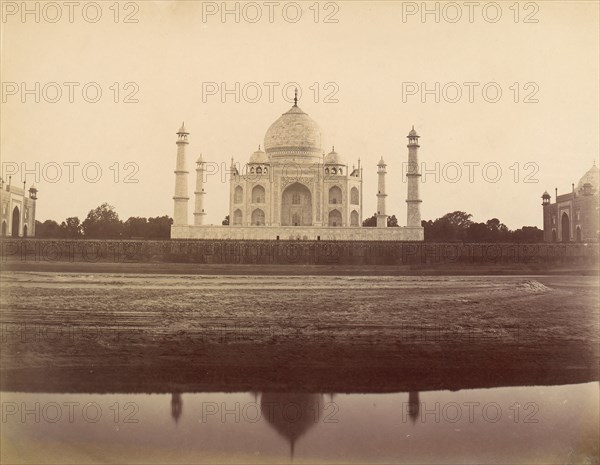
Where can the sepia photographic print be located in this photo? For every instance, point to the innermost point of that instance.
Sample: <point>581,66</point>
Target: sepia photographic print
<point>299,232</point>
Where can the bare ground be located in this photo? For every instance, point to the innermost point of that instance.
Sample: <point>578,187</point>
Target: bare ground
<point>121,332</point>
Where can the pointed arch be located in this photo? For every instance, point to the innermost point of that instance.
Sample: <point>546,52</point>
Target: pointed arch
<point>16,219</point>
<point>335,218</point>
<point>258,217</point>
<point>354,196</point>
<point>258,194</point>
<point>238,194</point>
<point>335,195</point>
<point>565,227</point>
<point>354,218</point>
<point>296,205</point>
<point>237,217</point>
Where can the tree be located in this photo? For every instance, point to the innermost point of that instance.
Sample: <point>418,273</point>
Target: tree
<point>527,234</point>
<point>371,222</point>
<point>159,227</point>
<point>135,227</point>
<point>497,232</point>
<point>225,222</point>
<point>49,229</point>
<point>450,227</point>
<point>477,232</point>
<point>71,228</point>
<point>457,219</point>
<point>102,223</point>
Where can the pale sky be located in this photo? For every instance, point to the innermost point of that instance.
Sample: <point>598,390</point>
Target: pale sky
<point>371,55</point>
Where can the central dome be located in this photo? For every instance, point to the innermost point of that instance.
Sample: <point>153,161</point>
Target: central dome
<point>590,177</point>
<point>293,131</point>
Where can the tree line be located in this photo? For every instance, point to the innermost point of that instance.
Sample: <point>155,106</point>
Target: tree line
<point>458,226</point>
<point>103,223</point>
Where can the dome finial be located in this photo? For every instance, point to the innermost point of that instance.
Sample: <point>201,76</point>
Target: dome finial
<point>296,97</point>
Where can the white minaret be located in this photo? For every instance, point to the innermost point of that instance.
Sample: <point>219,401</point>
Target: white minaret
<point>180,214</point>
<point>381,195</point>
<point>413,216</point>
<point>199,193</point>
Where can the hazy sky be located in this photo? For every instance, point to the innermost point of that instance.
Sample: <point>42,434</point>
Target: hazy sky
<point>370,57</point>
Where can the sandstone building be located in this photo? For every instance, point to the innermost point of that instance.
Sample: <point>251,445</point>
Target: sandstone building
<point>574,217</point>
<point>17,212</point>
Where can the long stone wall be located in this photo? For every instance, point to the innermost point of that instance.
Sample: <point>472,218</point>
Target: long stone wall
<point>307,233</point>
<point>295,252</point>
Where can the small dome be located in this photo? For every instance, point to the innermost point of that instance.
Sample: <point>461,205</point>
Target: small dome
<point>591,177</point>
<point>259,157</point>
<point>182,129</point>
<point>333,158</point>
<point>293,130</point>
<point>381,162</point>
<point>413,133</point>
<point>199,160</point>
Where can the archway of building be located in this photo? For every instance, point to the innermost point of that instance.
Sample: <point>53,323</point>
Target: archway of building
<point>565,227</point>
<point>258,217</point>
<point>15,222</point>
<point>296,205</point>
<point>237,218</point>
<point>335,218</point>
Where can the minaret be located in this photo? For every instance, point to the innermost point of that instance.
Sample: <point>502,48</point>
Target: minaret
<point>199,193</point>
<point>33,196</point>
<point>413,216</point>
<point>381,195</point>
<point>547,215</point>
<point>180,214</point>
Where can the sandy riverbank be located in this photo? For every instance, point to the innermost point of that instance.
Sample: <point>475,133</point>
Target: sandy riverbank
<point>164,332</point>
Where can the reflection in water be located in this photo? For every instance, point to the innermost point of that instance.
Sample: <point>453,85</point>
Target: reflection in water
<point>176,406</point>
<point>413,405</point>
<point>528,424</point>
<point>292,415</point>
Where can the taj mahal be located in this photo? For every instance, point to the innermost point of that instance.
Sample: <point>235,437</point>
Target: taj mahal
<point>291,190</point>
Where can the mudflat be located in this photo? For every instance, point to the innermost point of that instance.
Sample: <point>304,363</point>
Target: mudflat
<point>121,332</point>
